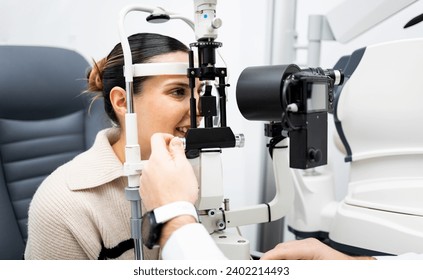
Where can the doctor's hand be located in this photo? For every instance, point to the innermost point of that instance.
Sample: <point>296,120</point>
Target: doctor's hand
<point>307,249</point>
<point>167,176</point>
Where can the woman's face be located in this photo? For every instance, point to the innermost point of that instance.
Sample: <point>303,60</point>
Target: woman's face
<point>163,105</point>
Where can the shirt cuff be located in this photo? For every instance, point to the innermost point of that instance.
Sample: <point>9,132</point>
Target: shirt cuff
<point>191,242</point>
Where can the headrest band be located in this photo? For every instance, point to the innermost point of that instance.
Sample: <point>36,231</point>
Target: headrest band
<point>154,69</point>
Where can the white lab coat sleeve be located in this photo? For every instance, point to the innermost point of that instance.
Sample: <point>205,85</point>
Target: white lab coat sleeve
<point>406,256</point>
<point>191,242</point>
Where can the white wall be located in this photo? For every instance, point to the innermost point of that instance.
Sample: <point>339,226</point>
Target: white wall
<point>90,27</point>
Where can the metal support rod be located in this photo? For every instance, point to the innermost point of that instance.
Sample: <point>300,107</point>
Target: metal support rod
<point>132,170</point>
<point>222,100</point>
<point>193,102</point>
<point>132,194</point>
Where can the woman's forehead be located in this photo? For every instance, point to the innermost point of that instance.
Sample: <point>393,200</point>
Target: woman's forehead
<point>171,57</point>
<point>172,80</point>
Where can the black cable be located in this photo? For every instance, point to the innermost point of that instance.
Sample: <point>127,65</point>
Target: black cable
<point>273,142</point>
<point>285,118</point>
<point>269,213</point>
<point>414,21</point>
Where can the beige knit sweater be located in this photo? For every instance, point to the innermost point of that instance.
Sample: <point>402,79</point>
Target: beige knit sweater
<point>80,210</point>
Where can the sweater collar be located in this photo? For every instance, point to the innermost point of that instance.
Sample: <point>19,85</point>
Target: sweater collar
<point>96,166</point>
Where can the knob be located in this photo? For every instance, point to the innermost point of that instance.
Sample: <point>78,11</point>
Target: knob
<point>314,155</point>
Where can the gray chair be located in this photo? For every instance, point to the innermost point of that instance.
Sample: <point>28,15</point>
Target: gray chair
<point>44,122</point>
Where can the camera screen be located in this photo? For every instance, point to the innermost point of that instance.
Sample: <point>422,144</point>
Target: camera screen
<point>317,97</point>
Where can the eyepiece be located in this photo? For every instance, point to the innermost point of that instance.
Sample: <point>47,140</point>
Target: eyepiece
<point>259,91</point>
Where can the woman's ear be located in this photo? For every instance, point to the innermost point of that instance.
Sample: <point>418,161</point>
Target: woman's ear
<point>118,100</point>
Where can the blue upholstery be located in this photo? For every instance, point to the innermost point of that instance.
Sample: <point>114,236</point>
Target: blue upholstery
<point>44,122</point>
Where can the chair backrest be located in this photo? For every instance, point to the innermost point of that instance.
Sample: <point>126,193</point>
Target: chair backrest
<point>44,122</point>
<point>379,118</point>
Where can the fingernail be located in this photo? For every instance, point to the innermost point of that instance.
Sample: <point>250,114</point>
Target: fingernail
<point>176,142</point>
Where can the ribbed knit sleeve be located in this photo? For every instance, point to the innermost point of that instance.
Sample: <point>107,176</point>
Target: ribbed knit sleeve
<point>52,213</point>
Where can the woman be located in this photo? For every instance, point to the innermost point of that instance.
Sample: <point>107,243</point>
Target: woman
<point>80,210</point>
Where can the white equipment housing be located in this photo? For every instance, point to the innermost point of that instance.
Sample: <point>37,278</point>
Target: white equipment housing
<point>379,118</point>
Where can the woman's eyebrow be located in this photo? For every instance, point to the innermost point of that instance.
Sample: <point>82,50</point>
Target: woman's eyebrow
<point>181,84</point>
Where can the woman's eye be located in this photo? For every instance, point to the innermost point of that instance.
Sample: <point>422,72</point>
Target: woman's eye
<point>179,92</point>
